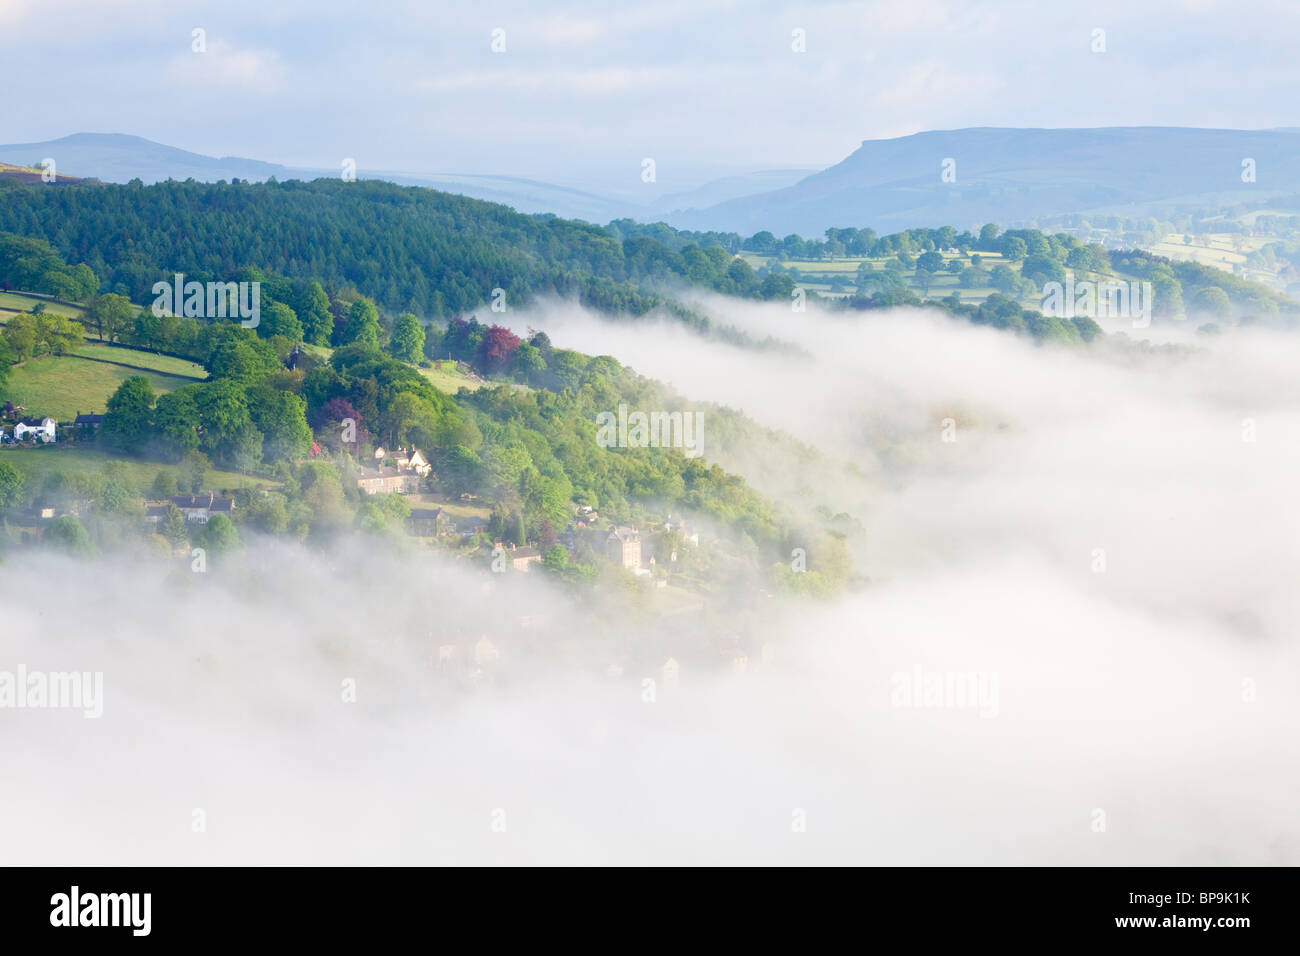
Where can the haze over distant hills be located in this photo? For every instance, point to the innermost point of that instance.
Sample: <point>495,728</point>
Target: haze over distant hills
<point>1007,176</point>
<point>119,158</point>
<point>1013,175</point>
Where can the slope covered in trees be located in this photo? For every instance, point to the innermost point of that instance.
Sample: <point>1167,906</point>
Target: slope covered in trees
<point>409,249</point>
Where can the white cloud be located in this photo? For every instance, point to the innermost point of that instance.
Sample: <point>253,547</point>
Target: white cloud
<point>224,67</point>
<point>598,82</point>
<point>1120,691</point>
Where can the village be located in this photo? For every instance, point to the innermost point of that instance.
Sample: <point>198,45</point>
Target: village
<point>660,557</point>
<point>473,658</point>
<point>461,524</point>
<point>435,520</point>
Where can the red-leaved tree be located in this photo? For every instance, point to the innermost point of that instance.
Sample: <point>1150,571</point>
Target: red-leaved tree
<point>497,349</point>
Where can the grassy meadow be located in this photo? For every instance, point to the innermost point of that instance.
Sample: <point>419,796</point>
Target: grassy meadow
<point>447,377</point>
<point>39,461</point>
<point>820,275</point>
<point>13,302</point>
<point>61,386</point>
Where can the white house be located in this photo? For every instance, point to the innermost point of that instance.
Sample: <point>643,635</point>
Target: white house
<point>44,431</point>
<point>201,508</point>
<point>415,462</point>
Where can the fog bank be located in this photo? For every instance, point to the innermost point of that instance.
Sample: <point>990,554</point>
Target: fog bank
<point>1105,550</point>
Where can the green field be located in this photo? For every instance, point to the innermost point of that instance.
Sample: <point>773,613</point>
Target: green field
<point>1222,250</point>
<point>452,506</point>
<point>36,463</point>
<point>817,275</point>
<point>141,359</point>
<point>446,377</point>
<point>22,302</point>
<point>62,386</point>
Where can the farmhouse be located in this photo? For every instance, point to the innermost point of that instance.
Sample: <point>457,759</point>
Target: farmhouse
<point>376,481</point>
<point>424,522</point>
<point>44,430</point>
<point>91,421</point>
<point>412,461</point>
<point>623,547</point>
<point>522,558</point>
<point>201,508</point>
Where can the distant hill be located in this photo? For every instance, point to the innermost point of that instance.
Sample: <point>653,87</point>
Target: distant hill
<point>729,187</point>
<point>528,196</point>
<point>1015,175</point>
<point>118,158</point>
<point>1008,176</point>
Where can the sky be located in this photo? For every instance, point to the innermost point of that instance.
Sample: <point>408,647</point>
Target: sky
<point>584,91</point>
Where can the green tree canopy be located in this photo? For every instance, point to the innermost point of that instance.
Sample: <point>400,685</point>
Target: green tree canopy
<point>313,308</point>
<point>128,421</point>
<point>363,325</point>
<point>12,485</point>
<point>407,341</point>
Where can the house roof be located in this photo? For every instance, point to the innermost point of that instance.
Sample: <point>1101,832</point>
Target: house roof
<point>91,419</point>
<point>210,501</point>
<point>625,534</point>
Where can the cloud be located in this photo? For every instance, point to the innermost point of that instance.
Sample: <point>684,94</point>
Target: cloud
<point>12,11</point>
<point>601,82</point>
<point>1141,712</point>
<point>222,66</point>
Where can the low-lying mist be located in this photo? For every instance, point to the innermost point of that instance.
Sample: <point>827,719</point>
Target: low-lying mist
<point>1077,645</point>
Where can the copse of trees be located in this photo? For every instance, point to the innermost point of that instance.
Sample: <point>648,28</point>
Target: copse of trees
<point>236,417</point>
<point>1192,280</point>
<point>37,333</point>
<point>33,265</point>
<point>110,316</point>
